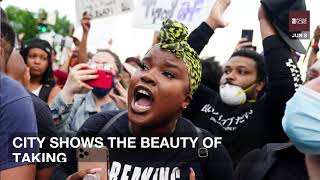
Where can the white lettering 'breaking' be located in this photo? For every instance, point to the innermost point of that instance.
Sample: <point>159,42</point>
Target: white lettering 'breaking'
<point>135,173</point>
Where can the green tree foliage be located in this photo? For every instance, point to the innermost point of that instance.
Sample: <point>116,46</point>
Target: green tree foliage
<point>62,25</point>
<point>25,22</point>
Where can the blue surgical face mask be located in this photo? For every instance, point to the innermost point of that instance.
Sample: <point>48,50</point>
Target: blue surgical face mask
<point>301,121</point>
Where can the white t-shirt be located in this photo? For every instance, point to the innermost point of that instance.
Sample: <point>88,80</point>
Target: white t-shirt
<point>37,91</point>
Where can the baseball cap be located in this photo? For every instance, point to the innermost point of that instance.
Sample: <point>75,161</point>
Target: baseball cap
<point>278,12</point>
<point>35,43</point>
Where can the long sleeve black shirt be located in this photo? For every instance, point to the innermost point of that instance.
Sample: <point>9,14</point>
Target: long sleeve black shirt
<point>251,125</point>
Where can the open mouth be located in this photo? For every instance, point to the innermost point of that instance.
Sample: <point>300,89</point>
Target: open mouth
<point>142,100</point>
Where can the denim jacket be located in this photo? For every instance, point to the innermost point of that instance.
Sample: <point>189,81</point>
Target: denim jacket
<point>70,117</point>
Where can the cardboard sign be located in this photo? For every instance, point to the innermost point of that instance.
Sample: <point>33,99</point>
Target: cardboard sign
<point>150,13</point>
<point>103,8</point>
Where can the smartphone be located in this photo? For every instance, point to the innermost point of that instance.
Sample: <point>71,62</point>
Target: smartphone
<point>105,79</point>
<point>89,158</point>
<point>247,34</point>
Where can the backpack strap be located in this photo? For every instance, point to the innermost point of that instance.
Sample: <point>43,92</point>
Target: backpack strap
<point>202,152</point>
<point>110,122</point>
<point>45,92</point>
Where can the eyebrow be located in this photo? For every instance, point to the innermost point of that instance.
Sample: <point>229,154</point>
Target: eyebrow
<point>147,58</point>
<point>236,67</point>
<point>167,63</point>
<point>241,67</point>
<point>170,64</point>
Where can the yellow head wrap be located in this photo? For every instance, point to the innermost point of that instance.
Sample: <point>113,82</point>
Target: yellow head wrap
<point>173,38</point>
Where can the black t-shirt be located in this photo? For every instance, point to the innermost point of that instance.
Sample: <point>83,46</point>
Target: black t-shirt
<point>46,127</point>
<point>166,163</point>
<point>251,125</point>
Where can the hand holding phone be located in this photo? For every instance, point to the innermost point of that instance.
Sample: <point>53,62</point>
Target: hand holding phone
<point>246,41</point>
<point>88,174</point>
<point>248,34</point>
<point>104,81</point>
<point>92,158</point>
<point>75,83</point>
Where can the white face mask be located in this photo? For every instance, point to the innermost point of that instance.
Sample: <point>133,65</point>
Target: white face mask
<point>234,95</point>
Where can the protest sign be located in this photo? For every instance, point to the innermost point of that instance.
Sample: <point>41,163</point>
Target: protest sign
<point>103,8</point>
<point>150,13</point>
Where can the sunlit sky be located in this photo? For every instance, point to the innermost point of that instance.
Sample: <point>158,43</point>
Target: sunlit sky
<point>129,41</point>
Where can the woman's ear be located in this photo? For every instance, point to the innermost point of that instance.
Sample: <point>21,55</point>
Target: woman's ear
<point>186,101</point>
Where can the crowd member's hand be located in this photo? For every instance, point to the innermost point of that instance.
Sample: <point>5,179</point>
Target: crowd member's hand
<point>85,22</point>
<point>317,33</point>
<point>26,77</point>
<point>121,99</point>
<point>192,175</point>
<point>215,19</point>
<point>75,82</point>
<point>80,174</point>
<point>130,69</point>
<point>243,44</point>
<point>313,71</point>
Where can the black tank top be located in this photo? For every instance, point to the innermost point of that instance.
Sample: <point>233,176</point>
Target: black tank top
<point>45,91</point>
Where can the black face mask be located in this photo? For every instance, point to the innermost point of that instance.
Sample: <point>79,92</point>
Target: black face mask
<point>100,92</point>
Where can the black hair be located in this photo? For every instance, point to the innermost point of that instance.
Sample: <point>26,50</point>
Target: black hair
<point>7,39</point>
<point>48,75</point>
<point>3,16</point>
<point>115,56</point>
<point>260,65</point>
<point>211,73</point>
<point>133,59</point>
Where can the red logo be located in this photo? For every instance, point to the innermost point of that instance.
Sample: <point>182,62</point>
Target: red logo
<point>299,21</point>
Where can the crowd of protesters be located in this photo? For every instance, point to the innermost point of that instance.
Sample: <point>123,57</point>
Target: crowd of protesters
<point>268,118</point>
